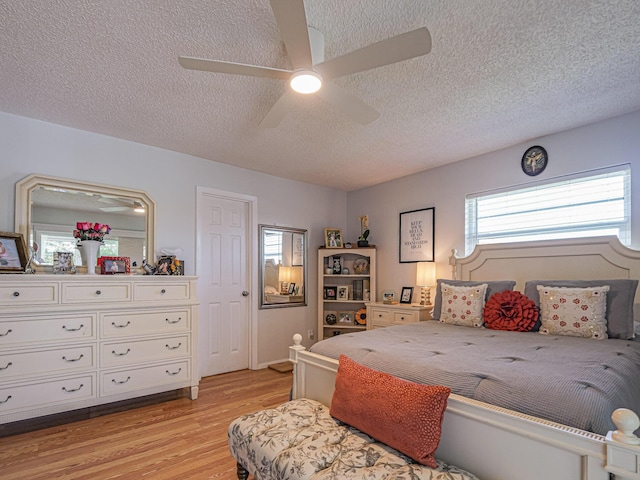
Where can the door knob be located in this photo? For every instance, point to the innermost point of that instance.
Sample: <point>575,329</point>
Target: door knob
<point>245,293</point>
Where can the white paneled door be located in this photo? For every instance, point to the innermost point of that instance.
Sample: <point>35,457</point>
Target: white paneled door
<point>223,281</point>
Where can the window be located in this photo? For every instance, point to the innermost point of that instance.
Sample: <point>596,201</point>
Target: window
<point>63,242</point>
<point>590,204</point>
<point>273,246</point>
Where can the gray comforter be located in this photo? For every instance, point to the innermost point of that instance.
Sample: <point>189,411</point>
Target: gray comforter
<point>573,381</point>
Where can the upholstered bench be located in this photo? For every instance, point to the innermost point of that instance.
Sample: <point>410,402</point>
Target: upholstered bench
<point>301,440</point>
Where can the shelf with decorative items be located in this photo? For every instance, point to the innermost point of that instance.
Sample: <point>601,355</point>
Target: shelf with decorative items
<point>346,282</point>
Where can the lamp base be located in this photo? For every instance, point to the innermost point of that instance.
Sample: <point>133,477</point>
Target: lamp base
<point>425,296</point>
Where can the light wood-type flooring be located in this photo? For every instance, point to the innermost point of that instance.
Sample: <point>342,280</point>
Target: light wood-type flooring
<point>175,439</point>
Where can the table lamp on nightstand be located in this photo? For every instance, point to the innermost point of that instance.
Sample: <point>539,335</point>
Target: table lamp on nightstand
<point>425,279</point>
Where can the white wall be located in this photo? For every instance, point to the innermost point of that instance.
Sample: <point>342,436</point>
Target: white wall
<point>602,144</point>
<point>29,146</point>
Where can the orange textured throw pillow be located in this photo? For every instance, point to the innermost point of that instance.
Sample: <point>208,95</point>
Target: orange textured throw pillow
<point>405,415</point>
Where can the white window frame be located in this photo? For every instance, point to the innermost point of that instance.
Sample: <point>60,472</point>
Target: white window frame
<point>524,212</point>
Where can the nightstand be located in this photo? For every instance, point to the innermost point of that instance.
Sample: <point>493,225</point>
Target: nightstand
<point>381,315</point>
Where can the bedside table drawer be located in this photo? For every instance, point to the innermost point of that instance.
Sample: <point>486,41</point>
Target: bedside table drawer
<point>402,318</point>
<point>381,316</point>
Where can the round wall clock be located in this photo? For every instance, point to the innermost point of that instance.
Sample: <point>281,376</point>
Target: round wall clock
<point>534,160</point>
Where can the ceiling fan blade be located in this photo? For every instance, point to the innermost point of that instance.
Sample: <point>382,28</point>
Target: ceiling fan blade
<point>392,50</point>
<point>292,23</point>
<point>284,104</point>
<point>218,66</point>
<point>350,105</point>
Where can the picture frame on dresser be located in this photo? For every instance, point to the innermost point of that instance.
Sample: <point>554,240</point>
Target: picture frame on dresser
<point>407,293</point>
<point>114,265</point>
<point>13,252</point>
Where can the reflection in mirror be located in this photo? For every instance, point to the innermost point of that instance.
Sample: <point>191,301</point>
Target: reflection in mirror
<point>283,276</point>
<point>48,208</point>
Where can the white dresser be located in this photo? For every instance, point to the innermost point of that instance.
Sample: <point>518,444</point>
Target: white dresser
<point>73,341</point>
<point>380,315</point>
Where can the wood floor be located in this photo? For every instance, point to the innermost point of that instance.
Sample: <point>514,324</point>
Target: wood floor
<point>175,439</point>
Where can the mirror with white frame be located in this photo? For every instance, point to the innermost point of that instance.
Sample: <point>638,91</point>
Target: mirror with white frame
<point>283,272</point>
<point>48,208</point>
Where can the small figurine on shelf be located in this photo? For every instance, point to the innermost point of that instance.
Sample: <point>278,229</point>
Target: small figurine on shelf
<point>148,268</point>
<point>364,231</point>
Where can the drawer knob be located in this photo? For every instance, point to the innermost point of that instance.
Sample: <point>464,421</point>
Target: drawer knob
<point>8,365</point>
<point>6,333</point>
<point>71,390</point>
<point>73,359</point>
<point>16,294</point>
<point>120,354</point>
<point>174,348</point>
<point>113,380</point>
<point>67,329</point>
<point>174,373</point>
<point>98,292</point>
<point>121,326</point>
<point>5,400</point>
<point>163,291</point>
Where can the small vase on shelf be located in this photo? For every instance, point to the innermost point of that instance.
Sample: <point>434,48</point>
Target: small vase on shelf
<point>89,251</point>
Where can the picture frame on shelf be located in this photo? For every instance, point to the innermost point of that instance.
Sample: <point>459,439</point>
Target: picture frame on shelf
<point>336,265</point>
<point>343,293</point>
<point>407,293</point>
<point>63,262</point>
<point>345,318</point>
<point>114,265</point>
<point>330,292</point>
<point>13,253</point>
<point>292,288</point>
<point>417,233</point>
<point>333,238</point>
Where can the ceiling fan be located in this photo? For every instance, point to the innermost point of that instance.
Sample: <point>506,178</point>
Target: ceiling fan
<point>311,73</point>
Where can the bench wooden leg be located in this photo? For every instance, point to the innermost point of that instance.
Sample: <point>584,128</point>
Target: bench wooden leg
<point>243,473</point>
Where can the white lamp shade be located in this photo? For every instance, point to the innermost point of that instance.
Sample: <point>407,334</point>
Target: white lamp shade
<point>426,274</point>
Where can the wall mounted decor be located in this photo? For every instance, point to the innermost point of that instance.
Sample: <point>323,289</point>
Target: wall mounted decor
<point>417,233</point>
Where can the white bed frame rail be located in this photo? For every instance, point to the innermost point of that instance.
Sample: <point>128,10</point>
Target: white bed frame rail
<point>499,444</point>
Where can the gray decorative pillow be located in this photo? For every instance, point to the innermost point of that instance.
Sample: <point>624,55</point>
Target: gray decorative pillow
<point>492,287</point>
<point>620,297</point>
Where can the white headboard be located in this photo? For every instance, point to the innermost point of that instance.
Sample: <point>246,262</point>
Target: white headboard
<point>591,258</point>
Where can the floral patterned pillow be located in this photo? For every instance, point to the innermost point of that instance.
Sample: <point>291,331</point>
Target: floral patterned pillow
<point>578,312</point>
<point>462,305</point>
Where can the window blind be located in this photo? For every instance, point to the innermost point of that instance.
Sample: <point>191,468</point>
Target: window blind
<point>590,204</point>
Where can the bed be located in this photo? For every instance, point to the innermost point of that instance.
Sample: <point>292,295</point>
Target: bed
<point>490,427</point>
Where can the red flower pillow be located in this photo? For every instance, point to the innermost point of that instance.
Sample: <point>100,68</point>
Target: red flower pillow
<point>510,310</point>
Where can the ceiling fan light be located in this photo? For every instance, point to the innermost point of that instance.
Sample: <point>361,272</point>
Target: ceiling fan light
<point>305,81</point>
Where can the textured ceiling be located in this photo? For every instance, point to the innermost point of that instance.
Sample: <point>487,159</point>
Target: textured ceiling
<point>500,72</point>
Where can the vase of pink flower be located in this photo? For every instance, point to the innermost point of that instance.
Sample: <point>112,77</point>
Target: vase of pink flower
<point>90,236</point>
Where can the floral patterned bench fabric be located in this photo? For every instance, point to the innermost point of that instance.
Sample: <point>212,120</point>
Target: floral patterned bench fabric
<point>300,440</point>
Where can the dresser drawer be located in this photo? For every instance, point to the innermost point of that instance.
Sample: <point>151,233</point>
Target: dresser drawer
<point>402,318</point>
<point>20,294</point>
<point>113,383</point>
<point>34,330</point>
<point>126,353</point>
<point>53,361</point>
<point>382,316</point>
<point>96,293</point>
<point>132,324</point>
<point>161,291</point>
<point>41,394</point>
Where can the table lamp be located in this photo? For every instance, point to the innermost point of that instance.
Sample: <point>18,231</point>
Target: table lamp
<point>425,279</point>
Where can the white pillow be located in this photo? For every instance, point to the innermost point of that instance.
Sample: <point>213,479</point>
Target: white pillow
<point>462,305</point>
<point>268,289</point>
<point>578,312</point>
